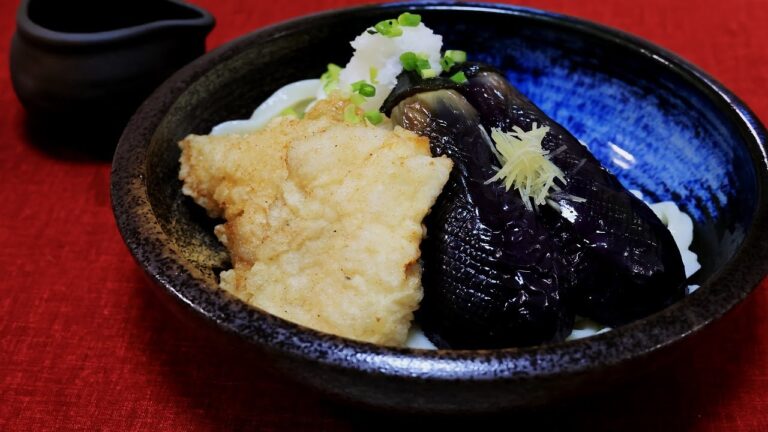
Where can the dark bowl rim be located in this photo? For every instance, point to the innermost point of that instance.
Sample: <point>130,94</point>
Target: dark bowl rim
<point>718,294</point>
<point>31,30</point>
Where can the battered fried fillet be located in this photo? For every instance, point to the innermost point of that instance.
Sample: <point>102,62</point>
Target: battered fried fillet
<point>323,219</point>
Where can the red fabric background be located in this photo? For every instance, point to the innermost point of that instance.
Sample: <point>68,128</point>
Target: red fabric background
<point>83,346</point>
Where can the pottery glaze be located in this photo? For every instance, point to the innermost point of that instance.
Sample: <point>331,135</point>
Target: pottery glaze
<point>83,67</point>
<point>561,64</point>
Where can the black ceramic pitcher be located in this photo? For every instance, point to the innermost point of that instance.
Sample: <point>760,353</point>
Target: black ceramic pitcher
<point>82,67</point>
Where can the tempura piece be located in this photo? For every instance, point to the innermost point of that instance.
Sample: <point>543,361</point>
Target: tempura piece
<point>323,218</point>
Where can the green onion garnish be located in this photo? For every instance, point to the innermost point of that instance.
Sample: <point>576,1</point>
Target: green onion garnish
<point>363,88</point>
<point>456,55</point>
<point>459,78</point>
<point>452,57</point>
<point>373,116</point>
<point>408,60</point>
<point>367,90</point>
<point>373,72</point>
<point>446,63</point>
<point>412,61</point>
<point>422,63</point>
<point>289,112</point>
<point>357,99</point>
<point>408,19</point>
<point>389,28</point>
<point>350,114</point>
<point>330,79</point>
<point>428,73</point>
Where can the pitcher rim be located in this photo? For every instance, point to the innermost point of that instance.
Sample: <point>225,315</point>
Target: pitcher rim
<point>28,28</point>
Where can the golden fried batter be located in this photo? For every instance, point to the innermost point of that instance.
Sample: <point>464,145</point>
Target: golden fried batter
<point>323,218</point>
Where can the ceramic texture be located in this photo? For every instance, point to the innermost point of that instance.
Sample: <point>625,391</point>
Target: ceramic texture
<point>660,124</point>
<point>86,66</point>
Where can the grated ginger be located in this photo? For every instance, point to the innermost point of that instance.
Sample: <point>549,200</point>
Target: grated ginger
<point>525,165</point>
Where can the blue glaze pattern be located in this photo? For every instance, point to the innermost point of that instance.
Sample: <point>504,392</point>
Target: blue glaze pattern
<point>647,121</point>
<point>646,126</point>
<point>176,247</point>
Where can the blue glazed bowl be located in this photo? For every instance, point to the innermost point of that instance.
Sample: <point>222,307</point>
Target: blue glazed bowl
<point>663,126</point>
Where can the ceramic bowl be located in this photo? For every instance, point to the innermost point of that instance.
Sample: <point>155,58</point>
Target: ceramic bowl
<point>661,124</point>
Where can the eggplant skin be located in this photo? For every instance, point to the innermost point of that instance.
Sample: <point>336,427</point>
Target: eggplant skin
<point>491,273</point>
<point>410,84</point>
<point>624,262</point>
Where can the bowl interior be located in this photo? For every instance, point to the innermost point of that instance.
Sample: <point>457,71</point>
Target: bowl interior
<point>659,132</point>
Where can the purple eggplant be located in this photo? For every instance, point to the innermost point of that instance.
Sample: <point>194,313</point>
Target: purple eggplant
<point>625,263</point>
<point>492,273</point>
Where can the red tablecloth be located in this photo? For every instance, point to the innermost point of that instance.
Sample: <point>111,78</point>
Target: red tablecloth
<point>83,346</point>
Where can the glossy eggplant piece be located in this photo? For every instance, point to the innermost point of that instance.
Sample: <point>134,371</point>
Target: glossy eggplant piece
<point>491,271</point>
<point>624,262</point>
<point>410,84</point>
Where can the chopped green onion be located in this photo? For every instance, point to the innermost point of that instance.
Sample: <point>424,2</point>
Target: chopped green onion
<point>373,116</point>
<point>412,61</point>
<point>408,60</point>
<point>447,63</point>
<point>427,73</point>
<point>389,28</point>
<point>363,88</point>
<point>408,19</point>
<point>289,112</point>
<point>451,58</point>
<point>374,73</point>
<point>357,99</point>
<point>367,90</point>
<point>422,63</point>
<point>459,78</point>
<point>350,114</point>
<point>330,79</point>
<point>457,56</point>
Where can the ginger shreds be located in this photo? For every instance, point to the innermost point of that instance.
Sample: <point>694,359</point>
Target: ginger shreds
<point>525,165</point>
